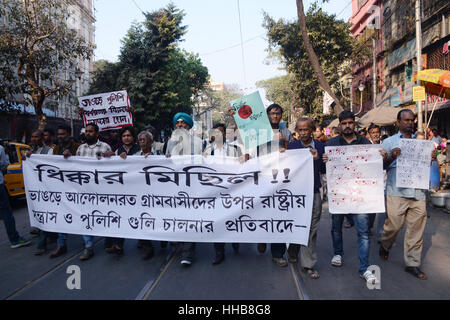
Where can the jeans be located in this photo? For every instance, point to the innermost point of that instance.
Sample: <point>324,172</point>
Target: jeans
<point>6,214</point>
<point>188,250</point>
<point>62,239</point>
<point>362,228</point>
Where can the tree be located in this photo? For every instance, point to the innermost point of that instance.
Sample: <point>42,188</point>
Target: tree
<point>313,57</point>
<point>219,101</point>
<point>160,78</point>
<point>280,90</point>
<point>37,49</point>
<point>330,40</point>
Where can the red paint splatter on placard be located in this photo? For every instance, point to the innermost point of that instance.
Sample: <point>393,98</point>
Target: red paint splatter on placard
<point>245,111</point>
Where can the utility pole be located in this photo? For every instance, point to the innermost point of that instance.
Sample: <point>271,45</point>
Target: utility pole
<point>419,61</point>
<point>374,99</point>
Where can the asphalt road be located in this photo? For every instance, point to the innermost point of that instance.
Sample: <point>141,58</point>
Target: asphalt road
<point>245,276</point>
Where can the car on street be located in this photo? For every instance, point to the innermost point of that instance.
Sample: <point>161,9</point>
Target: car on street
<point>14,176</point>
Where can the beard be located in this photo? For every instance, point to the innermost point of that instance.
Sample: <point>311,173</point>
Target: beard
<point>90,140</point>
<point>348,132</point>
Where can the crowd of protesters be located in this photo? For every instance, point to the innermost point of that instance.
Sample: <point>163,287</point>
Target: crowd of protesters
<point>403,205</point>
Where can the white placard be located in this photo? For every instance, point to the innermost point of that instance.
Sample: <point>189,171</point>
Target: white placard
<point>107,110</point>
<point>355,179</point>
<point>413,164</point>
<point>184,198</point>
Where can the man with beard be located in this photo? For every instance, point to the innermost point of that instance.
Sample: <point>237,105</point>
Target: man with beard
<point>308,254</point>
<point>348,137</point>
<point>92,148</point>
<point>403,204</point>
<point>183,143</point>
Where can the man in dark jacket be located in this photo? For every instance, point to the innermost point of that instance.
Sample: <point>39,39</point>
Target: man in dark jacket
<point>308,254</point>
<point>65,141</point>
<point>348,137</point>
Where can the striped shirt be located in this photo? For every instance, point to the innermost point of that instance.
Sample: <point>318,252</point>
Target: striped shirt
<point>99,148</point>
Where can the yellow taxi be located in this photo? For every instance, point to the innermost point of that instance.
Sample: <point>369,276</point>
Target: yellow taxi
<point>14,176</point>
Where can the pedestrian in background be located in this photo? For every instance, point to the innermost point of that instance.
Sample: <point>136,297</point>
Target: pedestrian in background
<point>6,212</point>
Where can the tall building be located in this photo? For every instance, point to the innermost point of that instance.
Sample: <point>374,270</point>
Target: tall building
<point>396,52</point>
<point>365,25</point>
<point>19,124</point>
<point>82,20</point>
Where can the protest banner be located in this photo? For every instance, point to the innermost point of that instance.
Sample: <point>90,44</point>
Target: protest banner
<point>107,110</point>
<point>184,198</point>
<point>355,179</point>
<point>413,164</point>
<point>252,121</point>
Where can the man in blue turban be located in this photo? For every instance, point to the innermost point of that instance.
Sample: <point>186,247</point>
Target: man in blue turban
<point>184,142</point>
<point>182,120</point>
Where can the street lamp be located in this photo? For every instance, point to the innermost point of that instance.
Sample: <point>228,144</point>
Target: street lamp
<point>350,82</point>
<point>361,89</point>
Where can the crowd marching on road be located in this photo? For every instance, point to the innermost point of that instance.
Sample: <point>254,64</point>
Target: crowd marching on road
<point>403,205</point>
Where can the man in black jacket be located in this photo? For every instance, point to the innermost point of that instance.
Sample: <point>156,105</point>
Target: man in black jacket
<point>308,254</point>
<point>348,137</point>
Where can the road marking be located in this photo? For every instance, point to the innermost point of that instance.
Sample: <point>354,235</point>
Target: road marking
<point>151,285</point>
<point>298,283</point>
<point>47,273</point>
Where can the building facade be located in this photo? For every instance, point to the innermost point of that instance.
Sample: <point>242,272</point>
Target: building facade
<point>396,52</point>
<point>17,125</point>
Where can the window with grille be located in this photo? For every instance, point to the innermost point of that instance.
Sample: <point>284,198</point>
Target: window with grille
<point>438,60</point>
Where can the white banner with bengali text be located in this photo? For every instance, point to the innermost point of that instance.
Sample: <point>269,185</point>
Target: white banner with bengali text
<point>183,198</point>
<point>107,110</point>
<point>355,179</point>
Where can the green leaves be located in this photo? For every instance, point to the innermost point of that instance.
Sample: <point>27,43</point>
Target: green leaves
<point>161,79</point>
<point>36,47</point>
<point>333,45</point>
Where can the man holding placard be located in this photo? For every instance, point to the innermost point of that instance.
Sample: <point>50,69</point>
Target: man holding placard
<point>408,169</point>
<point>349,137</point>
<point>262,135</point>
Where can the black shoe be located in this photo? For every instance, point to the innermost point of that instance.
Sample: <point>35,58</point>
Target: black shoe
<point>220,256</point>
<point>60,250</point>
<point>235,247</point>
<point>415,271</point>
<point>87,254</point>
<point>262,247</point>
<point>39,252</point>
<point>148,253</point>
<point>35,231</point>
<point>384,254</point>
